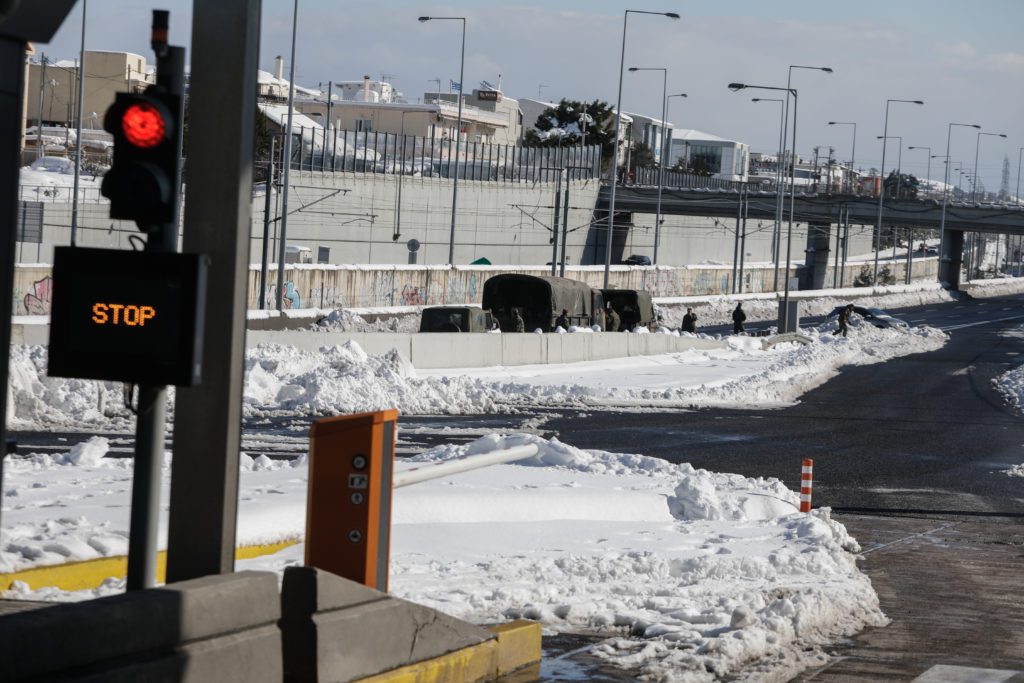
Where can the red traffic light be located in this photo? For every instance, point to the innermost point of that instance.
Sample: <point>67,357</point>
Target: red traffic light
<point>143,125</point>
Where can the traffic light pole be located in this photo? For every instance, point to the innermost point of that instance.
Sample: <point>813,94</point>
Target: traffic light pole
<point>151,418</point>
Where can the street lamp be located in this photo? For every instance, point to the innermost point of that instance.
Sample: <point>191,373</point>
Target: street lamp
<point>945,258</point>
<point>929,163</point>
<point>977,146</point>
<point>661,162</point>
<point>1020,155</point>
<point>910,235</point>
<point>615,147</point>
<point>458,130</point>
<point>853,150</point>
<point>735,87</point>
<point>899,159</point>
<point>777,232</point>
<point>881,184</point>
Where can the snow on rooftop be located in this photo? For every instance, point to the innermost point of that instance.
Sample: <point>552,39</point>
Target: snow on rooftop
<point>691,134</point>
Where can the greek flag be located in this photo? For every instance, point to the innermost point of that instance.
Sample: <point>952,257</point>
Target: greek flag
<point>454,86</point>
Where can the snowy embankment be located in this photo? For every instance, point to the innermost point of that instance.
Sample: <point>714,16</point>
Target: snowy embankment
<point>342,379</point>
<point>692,575</point>
<point>1011,385</point>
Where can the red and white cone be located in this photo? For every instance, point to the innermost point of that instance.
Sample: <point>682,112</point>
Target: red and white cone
<point>806,484</point>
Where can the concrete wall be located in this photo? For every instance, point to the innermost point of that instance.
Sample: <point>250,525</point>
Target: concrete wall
<point>430,351</point>
<point>313,286</point>
<point>216,628</point>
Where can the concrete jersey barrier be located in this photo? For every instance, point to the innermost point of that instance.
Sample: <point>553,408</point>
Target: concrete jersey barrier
<point>455,350</point>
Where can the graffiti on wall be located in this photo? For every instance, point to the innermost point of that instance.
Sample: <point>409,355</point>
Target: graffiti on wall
<point>414,295</point>
<point>662,283</point>
<point>291,297</point>
<point>37,302</point>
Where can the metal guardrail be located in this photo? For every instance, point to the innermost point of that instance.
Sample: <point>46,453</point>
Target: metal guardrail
<point>417,475</point>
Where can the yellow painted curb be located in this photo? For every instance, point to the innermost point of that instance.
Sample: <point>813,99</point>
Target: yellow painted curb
<point>74,576</point>
<point>516,645</point>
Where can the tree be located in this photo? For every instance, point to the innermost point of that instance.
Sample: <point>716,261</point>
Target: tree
<point>641,156</point>
<point>698,166</point>
<point>572,122</point>
<point>905,183</point>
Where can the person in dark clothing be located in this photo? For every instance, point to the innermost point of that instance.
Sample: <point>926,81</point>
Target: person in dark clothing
<point>690,321</point>
<point>517,321</point>
<point>844,319</point>
<point>612,319</point>
<point>738,316</point>
<point>562,320</point>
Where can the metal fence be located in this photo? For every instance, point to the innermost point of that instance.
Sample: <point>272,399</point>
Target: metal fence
<point>390,153</point>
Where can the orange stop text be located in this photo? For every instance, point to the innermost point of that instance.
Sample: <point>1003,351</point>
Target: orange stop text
<point>122,314</point>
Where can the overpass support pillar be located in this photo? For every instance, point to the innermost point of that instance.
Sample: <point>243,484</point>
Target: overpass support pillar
<point>816,263</point>
<point>951,258</point>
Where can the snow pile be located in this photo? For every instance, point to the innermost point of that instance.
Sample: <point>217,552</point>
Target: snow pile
<point>725,575</point>
<point>691,574</point>
<point>344,379</point>
<point>1015,471</point>
<point>1011,383</point>
<point>341,379</point>
<point>344,320</point>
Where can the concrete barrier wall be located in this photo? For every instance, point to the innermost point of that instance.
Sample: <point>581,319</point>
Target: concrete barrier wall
<point>432,351</point>
<point>361,286</point>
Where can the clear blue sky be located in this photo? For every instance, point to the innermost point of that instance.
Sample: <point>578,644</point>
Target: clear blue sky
<point>964,59</point>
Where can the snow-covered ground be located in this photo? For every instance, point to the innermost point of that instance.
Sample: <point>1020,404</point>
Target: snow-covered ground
<point>691,574</point>
<point>340,379</point>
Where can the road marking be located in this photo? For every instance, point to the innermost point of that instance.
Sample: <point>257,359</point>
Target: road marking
<point>983,322</point>
<point>1006,309</point>
<point>944,673</point>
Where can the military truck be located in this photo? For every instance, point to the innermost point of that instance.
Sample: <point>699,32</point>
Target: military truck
<point>540,299</point>
<point>456,319</point>
<point>634,306</point>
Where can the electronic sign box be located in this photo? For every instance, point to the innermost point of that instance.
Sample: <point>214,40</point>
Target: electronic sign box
<point>127,316</point>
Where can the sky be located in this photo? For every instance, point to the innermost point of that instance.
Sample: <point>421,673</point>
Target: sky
<point>964,60</point>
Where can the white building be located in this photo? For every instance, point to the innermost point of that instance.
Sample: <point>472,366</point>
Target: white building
<point>726,159</point>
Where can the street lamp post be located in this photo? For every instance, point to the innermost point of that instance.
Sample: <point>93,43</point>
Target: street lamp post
<point>777,232</point>
<point>283,243</point>
<point>789,233</point>
<point>1020,156</point>
<point>661,162</point>
<point>615,147</point>
<point>946,260</point>
<point>853,149</point>
<point>78,132</point>
<point>458,131</point>
<point>977,147</point>
<point>881,184</point>
<point>899,159</point>
<point>910,237</point>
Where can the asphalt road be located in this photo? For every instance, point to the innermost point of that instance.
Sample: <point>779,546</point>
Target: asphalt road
<point>922,432</point>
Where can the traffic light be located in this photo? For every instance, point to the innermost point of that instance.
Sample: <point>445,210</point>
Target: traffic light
<point>143,181</point>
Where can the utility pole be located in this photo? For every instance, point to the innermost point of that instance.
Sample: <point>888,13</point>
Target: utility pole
<point>40,147</point>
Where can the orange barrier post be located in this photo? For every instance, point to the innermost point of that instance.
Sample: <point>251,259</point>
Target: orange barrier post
<point>806,484</point>
<point>348,514</point>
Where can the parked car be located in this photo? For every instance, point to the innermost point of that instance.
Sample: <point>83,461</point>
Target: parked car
<point>456,319</point>
<point>875,316</point>
<point>637,260</point>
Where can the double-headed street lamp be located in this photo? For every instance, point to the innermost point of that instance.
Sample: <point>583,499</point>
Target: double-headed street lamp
<point>661,161</point>
<point>615,147</point>
<point>881,184</point>
<point>910,237</point>
<point>777,232</point>
<point>977,146</point>
<point>945,258</point>
<point>853,149</point>
<point>458,130</point>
